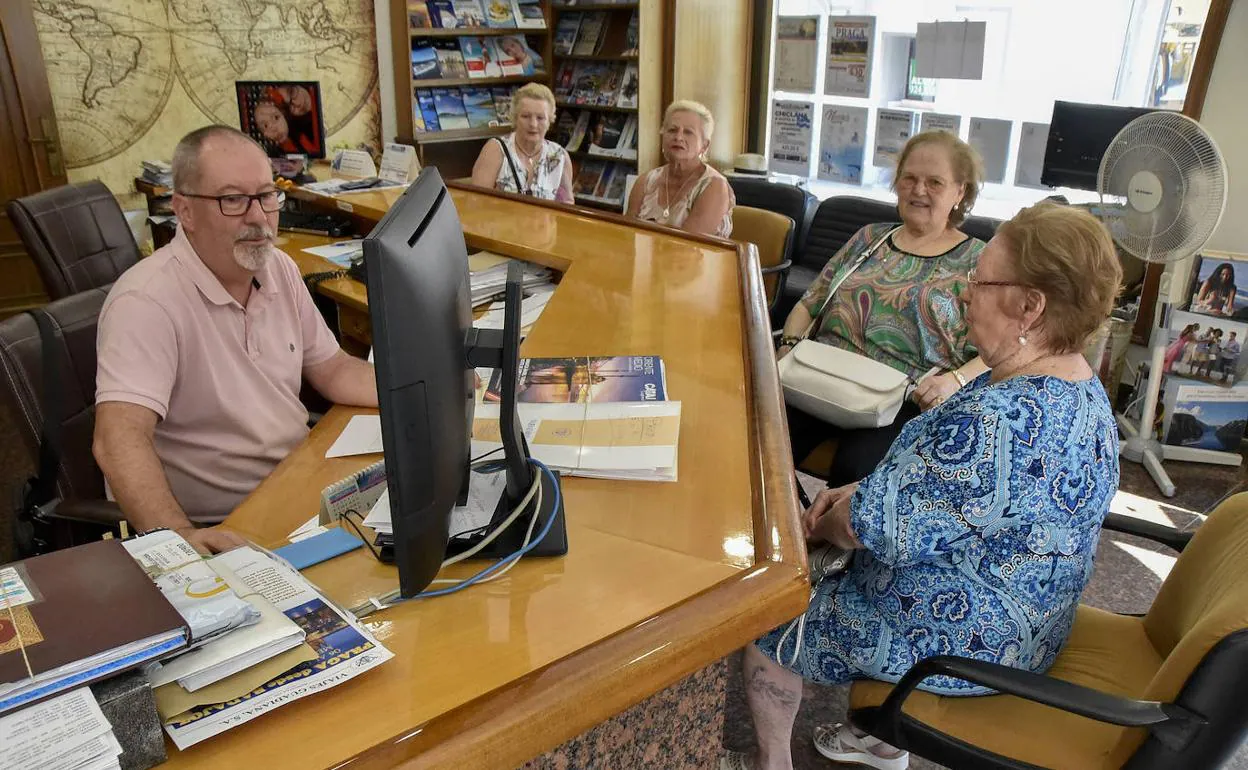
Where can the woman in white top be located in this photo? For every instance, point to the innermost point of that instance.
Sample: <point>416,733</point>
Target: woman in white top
<point>685,192</point>
<point>525,161</point>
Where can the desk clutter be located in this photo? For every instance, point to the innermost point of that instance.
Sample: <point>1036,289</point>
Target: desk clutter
<point>209,644</point>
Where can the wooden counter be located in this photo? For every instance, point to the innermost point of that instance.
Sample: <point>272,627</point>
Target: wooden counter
<point>660,579</point>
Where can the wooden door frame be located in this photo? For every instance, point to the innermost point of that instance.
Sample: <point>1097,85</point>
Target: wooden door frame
<point>1193,105</point>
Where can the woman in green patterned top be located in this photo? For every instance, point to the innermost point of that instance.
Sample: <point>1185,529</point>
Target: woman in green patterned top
<point>903,306</point>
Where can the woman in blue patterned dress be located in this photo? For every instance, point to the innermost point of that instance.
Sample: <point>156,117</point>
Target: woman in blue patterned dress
<point>975,535</point>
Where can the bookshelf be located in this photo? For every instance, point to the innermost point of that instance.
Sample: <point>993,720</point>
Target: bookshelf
<point>598,75</point>
<point>434,49</point>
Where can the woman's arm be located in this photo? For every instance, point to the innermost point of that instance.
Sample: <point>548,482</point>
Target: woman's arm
<point>710,208</point>
<point>935,390</point>
<point>564,193</point>
<point>638,193</point>
<point>489,161</point>
<point>1229,307</point>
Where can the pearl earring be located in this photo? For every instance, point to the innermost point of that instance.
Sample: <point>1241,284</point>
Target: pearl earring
<point>1022,340</point>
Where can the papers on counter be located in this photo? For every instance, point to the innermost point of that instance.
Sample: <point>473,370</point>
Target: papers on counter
<point>484,492</point>
<point>341,253</point>
<point>68,732</point>
<point>343,650</point>
<point>362,436</point>
<point>633,441</point>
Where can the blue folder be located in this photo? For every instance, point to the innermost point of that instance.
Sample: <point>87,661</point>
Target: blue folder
<point>319,548</point>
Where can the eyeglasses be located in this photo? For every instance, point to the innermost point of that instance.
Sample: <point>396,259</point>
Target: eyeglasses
<point>237,204</point>
<point>970,278</point>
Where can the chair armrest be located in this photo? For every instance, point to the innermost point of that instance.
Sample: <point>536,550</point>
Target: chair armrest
<point>780,268</point>
<point>1158,533</point>
<point>105,512</point>
<point>1168,721</point>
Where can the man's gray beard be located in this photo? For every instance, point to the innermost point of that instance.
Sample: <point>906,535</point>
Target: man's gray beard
<point>251,258</point>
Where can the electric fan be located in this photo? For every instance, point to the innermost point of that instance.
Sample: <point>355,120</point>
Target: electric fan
<point>1162,184</point>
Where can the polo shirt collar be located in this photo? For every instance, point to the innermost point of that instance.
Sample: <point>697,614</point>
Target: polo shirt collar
<point>207,282</point>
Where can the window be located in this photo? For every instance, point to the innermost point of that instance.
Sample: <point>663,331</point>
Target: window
<point>1127,52</point>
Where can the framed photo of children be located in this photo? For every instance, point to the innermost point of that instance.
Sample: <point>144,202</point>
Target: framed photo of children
<point>1220,285</point>
<point>283,116</point>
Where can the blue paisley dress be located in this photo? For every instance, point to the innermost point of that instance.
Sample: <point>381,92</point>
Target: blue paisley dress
<point>980,526</point>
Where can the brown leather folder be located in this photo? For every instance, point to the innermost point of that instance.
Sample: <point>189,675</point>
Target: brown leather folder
<point>88,600</point>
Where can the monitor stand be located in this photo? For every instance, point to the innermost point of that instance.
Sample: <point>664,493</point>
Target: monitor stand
<point>501,350</point>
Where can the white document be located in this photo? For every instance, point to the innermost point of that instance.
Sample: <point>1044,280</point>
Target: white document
<point>991,139</point>
<point>530,310</point>
<point>789,151</point>
<point>936,121</point>
<point>399,163</point>
<point>362,436</point>
<point>893,129</point>
<point>309,528</point>
<point>851,48</point>
<point>340,253</point>
<point>843,143</point>
<point>484,492</point>
<point>797,53</point>
<point>1032,146</point>
<point>353,163</point>
<point>346,649</point>
<point>61,733</point>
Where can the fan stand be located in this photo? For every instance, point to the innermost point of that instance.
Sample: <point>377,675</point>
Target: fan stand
<point>1140,444</point>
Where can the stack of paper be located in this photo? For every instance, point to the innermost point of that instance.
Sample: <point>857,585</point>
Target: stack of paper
<point>68,732</point>
<point>634,441</point>
<point>484,492</point>
<point>338,649</point>
<point>531,308</point>
<point>490,282</point>
<point>240,649</point>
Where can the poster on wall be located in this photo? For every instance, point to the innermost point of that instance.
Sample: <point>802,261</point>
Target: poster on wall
<point>1032,143</point>
<point>791,124</point>
<point>893,129</point>
<point>797,53</point>
<point>842,143</point>
<point>936,121</point>
<point>850,47</point>
<point>991,139</point>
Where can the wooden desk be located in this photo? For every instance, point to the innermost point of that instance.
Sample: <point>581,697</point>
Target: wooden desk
<point>660,579</point>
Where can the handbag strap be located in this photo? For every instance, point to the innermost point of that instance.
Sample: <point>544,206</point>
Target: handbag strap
<point>836,285</point>
<point>515,175</point>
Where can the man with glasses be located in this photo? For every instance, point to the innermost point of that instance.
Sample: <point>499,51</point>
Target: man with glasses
<point>202,348</point>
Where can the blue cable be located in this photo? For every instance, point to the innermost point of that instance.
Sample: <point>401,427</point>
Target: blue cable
<point>485,573</point>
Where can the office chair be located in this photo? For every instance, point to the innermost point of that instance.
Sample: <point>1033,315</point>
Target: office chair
<point>772,233</point>
<point>1158,691</point>
<point>65,503</point>
<point>76,235</point>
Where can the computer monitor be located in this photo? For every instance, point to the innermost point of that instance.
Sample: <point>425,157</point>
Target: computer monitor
<point>425,349</point>
<point>1079,135</point>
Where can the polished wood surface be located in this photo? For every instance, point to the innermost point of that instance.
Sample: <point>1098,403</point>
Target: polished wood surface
<point>660,579</point>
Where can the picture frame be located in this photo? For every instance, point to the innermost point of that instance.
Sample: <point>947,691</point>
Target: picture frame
<point>1219,285</point>
<point>284,116</point>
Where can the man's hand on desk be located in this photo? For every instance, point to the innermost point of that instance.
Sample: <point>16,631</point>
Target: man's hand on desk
<point>210,540</point>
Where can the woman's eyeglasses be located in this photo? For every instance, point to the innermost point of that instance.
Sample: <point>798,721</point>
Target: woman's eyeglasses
<point>970,278</point>
<point>236,204</point>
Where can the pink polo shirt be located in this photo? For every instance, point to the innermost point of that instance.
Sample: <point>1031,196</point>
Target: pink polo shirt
<point>224,379</point>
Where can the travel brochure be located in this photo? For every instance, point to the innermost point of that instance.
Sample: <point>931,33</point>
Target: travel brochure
<point>586,379</point>
<point>439,109</point>
<point>791,124</point>
<point>797,54</point>
<point>850,50</point>
<point>842,144</point>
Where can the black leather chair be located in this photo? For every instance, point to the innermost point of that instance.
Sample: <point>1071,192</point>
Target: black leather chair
<point>834,223</point>
<point>69,490</point>
<point>76,235</point>
<point>792,201</point>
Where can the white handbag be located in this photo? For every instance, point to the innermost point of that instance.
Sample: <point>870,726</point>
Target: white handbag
<point>839,386</point>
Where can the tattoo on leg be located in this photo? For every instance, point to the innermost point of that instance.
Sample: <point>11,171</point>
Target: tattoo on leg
<point>758,682</point>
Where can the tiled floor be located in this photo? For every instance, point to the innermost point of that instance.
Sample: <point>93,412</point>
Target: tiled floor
<point>1125,580</point>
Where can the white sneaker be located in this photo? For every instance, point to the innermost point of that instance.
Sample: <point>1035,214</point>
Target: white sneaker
<point>838,743</point>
